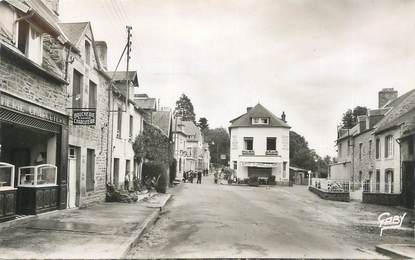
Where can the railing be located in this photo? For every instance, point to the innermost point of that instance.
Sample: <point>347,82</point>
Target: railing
<point>376,187</point>
<point>271,152</point>
<point>331,185</point>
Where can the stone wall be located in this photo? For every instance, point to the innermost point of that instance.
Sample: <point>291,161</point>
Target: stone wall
<point>386,199</point>
<point>336,196</point>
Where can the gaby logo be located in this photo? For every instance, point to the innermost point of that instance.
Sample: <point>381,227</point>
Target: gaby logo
<point>387,221</point>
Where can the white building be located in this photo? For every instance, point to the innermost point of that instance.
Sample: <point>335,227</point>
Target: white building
<point>260,145</point>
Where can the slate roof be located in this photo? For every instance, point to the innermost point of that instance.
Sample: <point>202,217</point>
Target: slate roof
<point>162,119</point>
<point>191,129</point>
<point>258,111</point>
<point>398,114</point>
<point>74,31</point>
<point>123,76</point>
<point>146,103</point>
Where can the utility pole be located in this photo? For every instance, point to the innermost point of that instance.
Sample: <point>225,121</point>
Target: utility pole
<point>129,35</point>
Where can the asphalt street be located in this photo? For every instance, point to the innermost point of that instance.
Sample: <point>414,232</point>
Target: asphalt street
<point>208,220</point>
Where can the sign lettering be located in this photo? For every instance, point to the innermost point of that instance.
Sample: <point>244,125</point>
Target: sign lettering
<point>84,117</point>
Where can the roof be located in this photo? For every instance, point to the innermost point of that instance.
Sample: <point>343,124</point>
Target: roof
<point>398,113</point>
<point>258,111</point>
<point>298,169</point>
<point>162,119</point>
<point>41,15</point>
<point>146,103</point>
<point>190,129</point>
<point>123,76</point>
<point>74,31</point>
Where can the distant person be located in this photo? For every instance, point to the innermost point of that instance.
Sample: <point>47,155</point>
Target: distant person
<point>199,177</point>
<point>191,176</point>
<point>216,177</point>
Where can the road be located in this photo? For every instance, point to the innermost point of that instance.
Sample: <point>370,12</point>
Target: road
<point>211,220</point>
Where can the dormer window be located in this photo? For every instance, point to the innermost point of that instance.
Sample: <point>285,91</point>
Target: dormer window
<point>260,120</point>
<point>29,41</point>
<point>87,53</point>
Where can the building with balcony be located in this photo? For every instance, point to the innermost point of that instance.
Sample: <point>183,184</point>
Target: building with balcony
<point>260,145</point>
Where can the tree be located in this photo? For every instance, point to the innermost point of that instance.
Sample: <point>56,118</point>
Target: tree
<point>349,118</point>
<point>219,142</point>
<point>184,109</point>
<point>203,125</point>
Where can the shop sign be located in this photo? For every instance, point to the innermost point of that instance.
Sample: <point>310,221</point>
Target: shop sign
<point>30,109</point>
<point>84,117</point>
<point>259,164</point>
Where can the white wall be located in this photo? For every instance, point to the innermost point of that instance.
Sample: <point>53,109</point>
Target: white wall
<point>260,135</point>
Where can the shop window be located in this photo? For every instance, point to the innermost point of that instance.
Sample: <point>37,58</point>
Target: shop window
<point>377,148</point>
<point>119,122</point>
<point>87,53</point>
<point>131,127</point>
<point>271,143</point>
<point>249,143</point>
<point>90,170</point>
<point>389,146</point>
<point>77,89</point>
<point>92,95</point>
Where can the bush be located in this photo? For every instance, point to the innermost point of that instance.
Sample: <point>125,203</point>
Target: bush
<point>162,183</point>
<point>253,181</point>
<point>152,169</point>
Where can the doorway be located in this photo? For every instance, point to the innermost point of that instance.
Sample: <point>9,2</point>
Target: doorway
<point>116,172</point>
<point>73,177</point>
<point>408,184</point>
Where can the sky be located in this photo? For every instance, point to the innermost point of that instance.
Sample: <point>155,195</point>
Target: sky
<point>312,59</point>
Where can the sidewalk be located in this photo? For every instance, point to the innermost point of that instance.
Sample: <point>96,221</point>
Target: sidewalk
<point>106,230</point>
<point>397,250</point>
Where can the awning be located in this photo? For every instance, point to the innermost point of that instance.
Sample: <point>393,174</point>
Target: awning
<point>260,164</point>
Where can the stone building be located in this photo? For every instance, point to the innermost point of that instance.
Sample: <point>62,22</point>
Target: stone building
<point>260,145</point>
<point>407,149</point>
<point>87,96</point>
<point>33,118</point>
<point>126,123</point>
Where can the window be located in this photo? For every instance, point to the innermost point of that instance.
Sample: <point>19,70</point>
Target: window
<point>131,127</point>
<point>389,181</point>
<point>235,165</point>
<point>260,120</point>
<point>77,90</point>
<point>389,146</point>
<point>340,149</point>
<point>271,143</point>
<point>370,149</point>
<point>92,95</point>
<point>377,148</point>
<point>411,147</point>
<point>127,171</point>
<point>377,180</point>
<point>360,151</point>
<point>360,176</point>
<point>119,122</point>
<point>90,170</point>
<point>116,172</point>
<point>249,143</point>
<point>29,41</point>
<point>87,52</point>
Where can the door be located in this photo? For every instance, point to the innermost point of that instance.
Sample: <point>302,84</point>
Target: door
<point>116,172</point>
<point>72,178</point>
<point>408,184</point>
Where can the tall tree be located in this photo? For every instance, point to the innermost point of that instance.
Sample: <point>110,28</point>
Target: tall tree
<point>219,142</point>
<point>184,109</point>
<point>349,118</point>
<point>203,125</point>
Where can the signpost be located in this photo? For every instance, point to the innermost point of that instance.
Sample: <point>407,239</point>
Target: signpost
<point>86,117</point>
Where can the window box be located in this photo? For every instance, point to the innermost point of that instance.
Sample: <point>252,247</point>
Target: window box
<point>271,152</point>
<point>248,152</point>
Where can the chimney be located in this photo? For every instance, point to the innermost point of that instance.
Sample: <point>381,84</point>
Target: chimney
<point>101,48</point>
<point>386,95</point>
<point>283,117</point>
<point>53,5</point>
<point>362,123</point>
<point>248,109</point>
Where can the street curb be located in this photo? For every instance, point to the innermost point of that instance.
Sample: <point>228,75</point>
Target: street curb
<point>393,254</point>
<point>148,222</point>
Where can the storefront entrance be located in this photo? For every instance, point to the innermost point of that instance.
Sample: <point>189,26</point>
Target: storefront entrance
<point>259,172</point>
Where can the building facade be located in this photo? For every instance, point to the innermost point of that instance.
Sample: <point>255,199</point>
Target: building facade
<point>33,119</point>
<point>260,145</point>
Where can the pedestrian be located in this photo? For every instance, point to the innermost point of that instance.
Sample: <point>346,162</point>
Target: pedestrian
<point>184,176</point>
<point>216,177</point>
<point>127,182</point>
<point>199,177</point>
<point>191,176</point>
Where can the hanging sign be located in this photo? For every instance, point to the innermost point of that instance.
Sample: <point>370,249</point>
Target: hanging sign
<point>84,117</point>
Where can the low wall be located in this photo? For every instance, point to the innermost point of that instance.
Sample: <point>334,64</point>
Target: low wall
<point>284,183</point>
<point>336,196</point>
<point>386,199</point>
